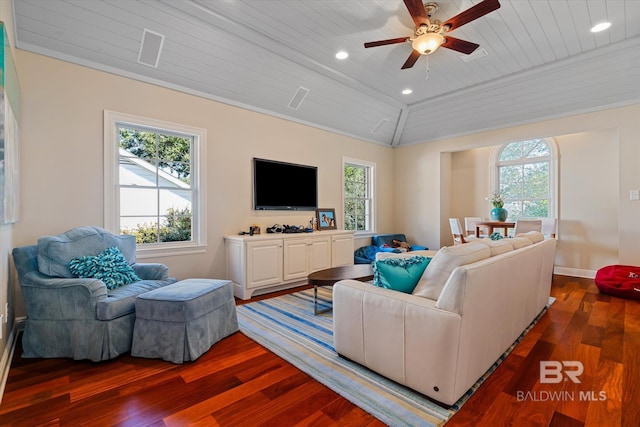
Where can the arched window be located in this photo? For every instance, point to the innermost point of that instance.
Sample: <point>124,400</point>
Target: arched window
<point>525,174</point>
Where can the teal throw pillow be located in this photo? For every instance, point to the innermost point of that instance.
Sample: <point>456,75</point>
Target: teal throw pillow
<point>399,274</point>
<point>110,266</point>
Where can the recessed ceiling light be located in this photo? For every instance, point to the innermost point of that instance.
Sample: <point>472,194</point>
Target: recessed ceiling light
<point>600,27</point>
<point>407,91</point>
<point>342,55</point>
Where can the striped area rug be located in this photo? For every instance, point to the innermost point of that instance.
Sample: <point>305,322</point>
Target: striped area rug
<point>287,326</point>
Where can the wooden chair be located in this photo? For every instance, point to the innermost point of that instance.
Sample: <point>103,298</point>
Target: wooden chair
<point>457,233</point>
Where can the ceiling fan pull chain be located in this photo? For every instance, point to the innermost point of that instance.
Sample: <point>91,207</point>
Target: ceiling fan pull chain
<point>427,76</point>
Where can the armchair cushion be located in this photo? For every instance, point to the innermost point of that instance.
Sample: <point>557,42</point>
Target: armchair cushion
<point>121,301</point>
<point>110,266</point>
<point>55,252</point>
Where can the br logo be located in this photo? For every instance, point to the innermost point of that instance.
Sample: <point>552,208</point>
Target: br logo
<point>553,372</point>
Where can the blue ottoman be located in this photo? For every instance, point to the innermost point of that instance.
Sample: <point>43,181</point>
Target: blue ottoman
<point>180,322</point>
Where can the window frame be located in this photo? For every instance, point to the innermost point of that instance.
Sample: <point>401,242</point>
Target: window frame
<point>553,170</point>
<point>370,168</point>
<point>112,121</point>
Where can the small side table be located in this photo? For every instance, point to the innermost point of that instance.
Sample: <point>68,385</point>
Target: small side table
<point>328,277</point>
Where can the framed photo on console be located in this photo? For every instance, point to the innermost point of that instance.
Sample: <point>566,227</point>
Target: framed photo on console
<point>326,219</point>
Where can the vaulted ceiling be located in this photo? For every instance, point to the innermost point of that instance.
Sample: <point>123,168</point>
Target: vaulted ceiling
<point>537,58</point>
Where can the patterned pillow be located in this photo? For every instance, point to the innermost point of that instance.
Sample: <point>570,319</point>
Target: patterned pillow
<point>399,274</point>
<point>110,266</point>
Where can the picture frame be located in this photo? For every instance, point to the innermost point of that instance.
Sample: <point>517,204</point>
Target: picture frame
<point>326,219</point>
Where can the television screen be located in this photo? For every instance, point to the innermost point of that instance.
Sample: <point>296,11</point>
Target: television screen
<point>284,186</point>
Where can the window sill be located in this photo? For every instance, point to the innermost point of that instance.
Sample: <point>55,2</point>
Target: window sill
<point>143,252</point>
<point>364,234</point>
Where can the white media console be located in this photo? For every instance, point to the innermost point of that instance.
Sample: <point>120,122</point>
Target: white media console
<point>265,263</point>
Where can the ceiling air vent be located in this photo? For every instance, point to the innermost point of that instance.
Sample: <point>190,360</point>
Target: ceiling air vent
<point>150,48</point>
<point>297,99</point>
<point>379,126</point>
<point>478,53</point>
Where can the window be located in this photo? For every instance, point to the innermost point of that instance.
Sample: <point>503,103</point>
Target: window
<point>153,185</point>
<point>524,173</point>
<point>358,195</point>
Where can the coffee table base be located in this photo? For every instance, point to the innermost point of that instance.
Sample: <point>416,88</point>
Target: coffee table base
<point>328,277</point>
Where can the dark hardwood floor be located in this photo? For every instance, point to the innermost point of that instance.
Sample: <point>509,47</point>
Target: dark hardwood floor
<point>240,383</point>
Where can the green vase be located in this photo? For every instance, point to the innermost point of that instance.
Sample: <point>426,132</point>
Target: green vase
<point>499,214</point>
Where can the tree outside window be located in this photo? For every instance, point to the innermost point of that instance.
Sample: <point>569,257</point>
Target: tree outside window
<point>524,178</point>
<point>155,185</point>
<point>358,196</point>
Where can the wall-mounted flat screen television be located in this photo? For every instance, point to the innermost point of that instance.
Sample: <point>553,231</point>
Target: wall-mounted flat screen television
<point>284,186</point>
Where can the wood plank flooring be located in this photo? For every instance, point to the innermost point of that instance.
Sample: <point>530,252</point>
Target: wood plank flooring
<point>240,383</point>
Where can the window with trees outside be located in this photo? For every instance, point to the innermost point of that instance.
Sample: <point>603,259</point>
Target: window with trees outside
<point>154,181</point>
<point>524,174</point>
<point>358,195</point>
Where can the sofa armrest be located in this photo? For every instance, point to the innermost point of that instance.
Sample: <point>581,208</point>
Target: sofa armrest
<point>50,298</point>
<point>151,271</point>
<point>401,336</point>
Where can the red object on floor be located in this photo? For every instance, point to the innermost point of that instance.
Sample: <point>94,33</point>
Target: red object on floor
<point>619,280</point>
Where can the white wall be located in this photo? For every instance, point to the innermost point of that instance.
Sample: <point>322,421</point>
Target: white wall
<point>61,171</point>
<point>599,157</point>
<point>588,196</point>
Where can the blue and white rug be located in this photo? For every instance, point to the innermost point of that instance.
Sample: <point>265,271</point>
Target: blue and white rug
<point>287,326</point>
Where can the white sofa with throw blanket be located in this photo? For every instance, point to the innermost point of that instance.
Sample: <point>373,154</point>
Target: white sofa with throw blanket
<point>470,304</point>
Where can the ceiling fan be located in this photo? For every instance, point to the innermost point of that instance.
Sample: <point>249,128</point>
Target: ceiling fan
<point>430,34</point>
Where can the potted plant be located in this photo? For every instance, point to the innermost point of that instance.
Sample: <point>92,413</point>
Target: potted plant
<point>498,213</point>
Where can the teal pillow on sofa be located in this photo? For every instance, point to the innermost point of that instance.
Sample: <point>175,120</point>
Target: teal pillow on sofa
<point>110,266</point>
<point>400,274</point>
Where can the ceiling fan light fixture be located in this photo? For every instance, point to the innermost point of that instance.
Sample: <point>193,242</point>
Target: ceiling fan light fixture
<point>427,43</point>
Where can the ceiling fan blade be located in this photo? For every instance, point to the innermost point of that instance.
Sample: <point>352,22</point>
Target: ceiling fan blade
<point>417,11</point>
<point>459,45</point>
<point>385,42</point>
<point>473,13</point>
<point>410,62</point>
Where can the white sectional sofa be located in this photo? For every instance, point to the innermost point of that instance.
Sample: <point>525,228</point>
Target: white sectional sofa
<point>471,303</point>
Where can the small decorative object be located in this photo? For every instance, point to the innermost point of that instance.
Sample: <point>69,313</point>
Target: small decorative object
<point>498,213</point>
<point>496,236</point>
<point>326,219</point>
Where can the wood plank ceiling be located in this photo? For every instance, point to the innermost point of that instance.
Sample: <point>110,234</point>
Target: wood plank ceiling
<point>541,59</point>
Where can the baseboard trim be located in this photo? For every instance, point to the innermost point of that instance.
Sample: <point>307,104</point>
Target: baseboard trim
<point>576,272</point>
<point>7,355</point>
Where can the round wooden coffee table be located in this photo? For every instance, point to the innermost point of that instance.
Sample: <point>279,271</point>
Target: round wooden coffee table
<point>361,272</point>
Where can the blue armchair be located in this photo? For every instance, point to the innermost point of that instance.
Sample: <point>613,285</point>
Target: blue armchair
<point>76,317</point>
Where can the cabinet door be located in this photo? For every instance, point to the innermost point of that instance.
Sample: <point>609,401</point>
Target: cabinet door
<point>342,250</point>
<point>264,263</point>
<point>319,253</point>
<point>295,259</point>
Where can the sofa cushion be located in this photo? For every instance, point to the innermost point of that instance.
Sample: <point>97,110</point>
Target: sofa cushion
<point>520,242</point>
<point>399,273</point>
<point>110,266</point>
<point>497,246</point>
<point>444,262</point>
<point>534,236</point>
<point>55,252</point>
<point>121,301</point>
